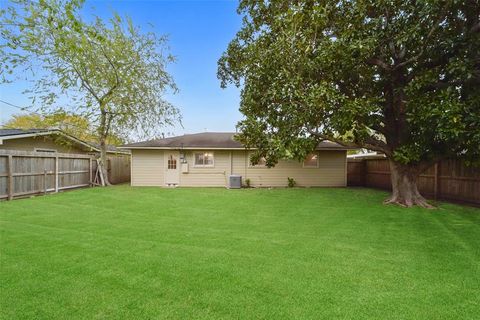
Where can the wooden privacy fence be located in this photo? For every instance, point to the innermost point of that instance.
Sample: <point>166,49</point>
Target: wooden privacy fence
<point>24,173</point>
<point>118,168</point>
<point>448,179</point>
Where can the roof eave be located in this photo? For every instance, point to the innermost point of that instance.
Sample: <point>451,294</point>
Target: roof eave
<point>219,148</point>
<point>59,132</point>
<point>179,148</point>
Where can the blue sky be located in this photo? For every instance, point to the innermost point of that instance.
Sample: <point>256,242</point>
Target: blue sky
<point>199,31</point>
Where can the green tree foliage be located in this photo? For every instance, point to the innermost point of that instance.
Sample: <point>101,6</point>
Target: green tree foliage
<point>400,77</point>
<point>109,72</point>
<point>72,124</point>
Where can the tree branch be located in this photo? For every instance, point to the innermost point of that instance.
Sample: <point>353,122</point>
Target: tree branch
<point>380,63</point>
<point>370,143</point>
<point>427,38</point>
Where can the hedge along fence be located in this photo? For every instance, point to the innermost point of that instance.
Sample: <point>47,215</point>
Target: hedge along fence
<point>448,179</point>
<point>24,173</point>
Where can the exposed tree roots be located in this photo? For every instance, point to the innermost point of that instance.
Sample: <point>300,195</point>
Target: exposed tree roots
<point>404,187</point>
<point>417,201</point>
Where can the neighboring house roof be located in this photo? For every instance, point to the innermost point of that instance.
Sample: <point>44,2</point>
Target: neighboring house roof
<point>13,132</point>
<point>209,140</point>
<point>8,134</point>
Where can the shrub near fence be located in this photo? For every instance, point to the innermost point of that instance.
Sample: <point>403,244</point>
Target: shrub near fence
<point>24,173</point>
<point>449,179</point>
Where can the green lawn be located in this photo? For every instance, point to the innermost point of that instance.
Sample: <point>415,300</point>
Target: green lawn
<point>150,253</point>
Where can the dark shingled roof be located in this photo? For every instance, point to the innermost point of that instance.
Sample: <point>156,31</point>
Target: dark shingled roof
<point>217,140</point>
<point>14,132</point>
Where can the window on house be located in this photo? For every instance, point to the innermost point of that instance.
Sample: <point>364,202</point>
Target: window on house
<point>311,161</point>
<point>44,150</point>
<point>172,163</point>
<point>203,159</point>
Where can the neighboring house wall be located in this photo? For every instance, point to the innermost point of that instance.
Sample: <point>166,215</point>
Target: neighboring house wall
<point>148,169</point>
<point>43,142</point>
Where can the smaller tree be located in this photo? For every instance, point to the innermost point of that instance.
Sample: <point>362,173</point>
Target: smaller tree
<point>111,73</point>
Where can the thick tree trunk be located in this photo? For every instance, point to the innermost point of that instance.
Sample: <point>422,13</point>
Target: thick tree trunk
<point>404,186</point>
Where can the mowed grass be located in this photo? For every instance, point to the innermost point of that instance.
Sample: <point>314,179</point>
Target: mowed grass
<point>151,253</point>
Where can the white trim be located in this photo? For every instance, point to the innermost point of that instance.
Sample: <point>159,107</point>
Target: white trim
<point>214,148</point>
<point>175,173</point>
<point>204,165</point>
<point>311,167</point>
<point>27,135</point>
<point>181,148</point>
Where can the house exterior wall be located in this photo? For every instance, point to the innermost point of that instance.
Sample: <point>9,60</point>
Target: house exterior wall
<point>148,170</point>
<point>44,142</point>
<point>215,176</point>
<point>329,173</point>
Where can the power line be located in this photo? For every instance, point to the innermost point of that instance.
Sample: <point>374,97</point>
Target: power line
<point>15,106</point>
<point>36,113</point>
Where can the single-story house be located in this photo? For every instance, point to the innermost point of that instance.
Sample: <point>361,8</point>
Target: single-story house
<point>57,141</point>
<point>208,159</point>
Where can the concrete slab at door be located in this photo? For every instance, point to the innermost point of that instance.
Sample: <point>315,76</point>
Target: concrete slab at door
<point>172,168</point>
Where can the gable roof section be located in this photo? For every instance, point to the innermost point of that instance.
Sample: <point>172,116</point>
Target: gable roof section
<point>209,140</point>
<point>9,134</point>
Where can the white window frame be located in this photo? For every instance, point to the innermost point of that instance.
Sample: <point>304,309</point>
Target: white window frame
<point>316,164</point>
<point>45,150</point>
<point>256,166</point>
<point>203,165</point>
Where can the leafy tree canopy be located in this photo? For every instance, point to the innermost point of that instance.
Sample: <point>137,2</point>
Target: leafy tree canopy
<point>72,124</point>
<point>400,77</point>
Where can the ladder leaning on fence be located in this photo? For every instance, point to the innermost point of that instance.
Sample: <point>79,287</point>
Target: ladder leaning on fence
<point>98,179</point>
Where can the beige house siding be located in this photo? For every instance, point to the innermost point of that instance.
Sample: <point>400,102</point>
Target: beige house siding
<point>329,173</point>
<point>147,168</point>
<point>210,176</point>
<point>44,142</point>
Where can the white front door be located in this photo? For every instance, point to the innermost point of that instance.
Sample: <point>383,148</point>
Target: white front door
<point>172,168</point>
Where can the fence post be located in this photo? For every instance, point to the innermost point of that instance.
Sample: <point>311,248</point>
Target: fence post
<point>90,168</point>
<point>10,177</point>
<point>56,174</point>
<point>44,181</point>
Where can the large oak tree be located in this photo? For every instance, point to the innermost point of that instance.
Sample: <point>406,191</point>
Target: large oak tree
<point>399,77</point>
